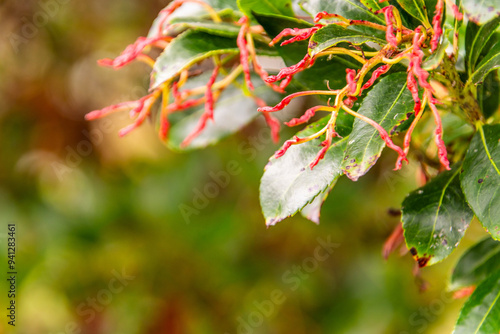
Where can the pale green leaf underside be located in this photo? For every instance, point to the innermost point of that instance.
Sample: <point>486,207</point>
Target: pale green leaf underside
<point>481,11</point>
<point>288,184</point>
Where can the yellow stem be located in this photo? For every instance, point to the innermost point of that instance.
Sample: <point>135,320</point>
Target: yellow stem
<point>333,51</point>
<point>146,60</point>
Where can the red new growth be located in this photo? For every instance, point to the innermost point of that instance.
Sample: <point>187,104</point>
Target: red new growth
<point>130,53</point>
<point>389,18</point>
<point>304,118</point>
<point>438,133</point>
<point>286,145</point>
<point>142,110</point>
<point>326,15</point>
<point>321,154</point>
<point>287,99</point>
<point>274,125</point>
<point>300,34</point>
<point>376,74</point>
<point>306,62</point>
<point>436,22</point>
<point>351,80</point>
<point>242,45</point>
<point>164,126</point>
<point>209,102</point>
<point>412,86</point>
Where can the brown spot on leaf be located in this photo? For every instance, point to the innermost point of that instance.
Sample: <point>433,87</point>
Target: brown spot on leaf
<point>422,261</point>
<point>413,251</point>
<point>312,44</point>
<point>394,212</point>
<point>480,181</point>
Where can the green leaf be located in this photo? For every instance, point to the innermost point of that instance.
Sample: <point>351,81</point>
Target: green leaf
<point>187,49</point>
<point>372,5</point>
<point>350,9</point>
<point>227,119</point>
<point>223,4</point>
<point>476,264</point>
<point>279,7</point>
<point>312,210</point>
<point>288,184</point>
<point>490,62</point>
<point>481,12</point>
<point>333,34</point>
<point>435,218</point>
<point>389,103</point>
<point>481,177</point>
<point>415,8</point>
<point>488,94</point>
<point>481,312</point>
<point>476,37</point>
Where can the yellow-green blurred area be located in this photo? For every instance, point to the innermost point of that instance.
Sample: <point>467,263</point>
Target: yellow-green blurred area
<point>114,236</point>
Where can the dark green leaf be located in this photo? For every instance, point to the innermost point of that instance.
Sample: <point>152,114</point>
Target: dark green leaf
<point>415,8</point>
<point>227,119</point>
<point>476,37</point>
<point>389,103</point>
<point>278,7</point>
<point>187,49</point>
<point>481,312</point>
<point>435,218</point>
<point>481,12</point>
<point>476,264</point>
<point>489,94</point>
<point>481,177</point>
<point>490,62</point>
<point>333,34</point>
<point>288,184</point>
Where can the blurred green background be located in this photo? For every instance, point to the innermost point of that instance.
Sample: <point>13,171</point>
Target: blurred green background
<point>87,215</point>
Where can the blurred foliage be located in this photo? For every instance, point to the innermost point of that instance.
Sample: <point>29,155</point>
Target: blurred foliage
<point>115,207</point>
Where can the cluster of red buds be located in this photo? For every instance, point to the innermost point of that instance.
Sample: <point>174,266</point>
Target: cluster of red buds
<point>402,43</point>
<point>206,95</point>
